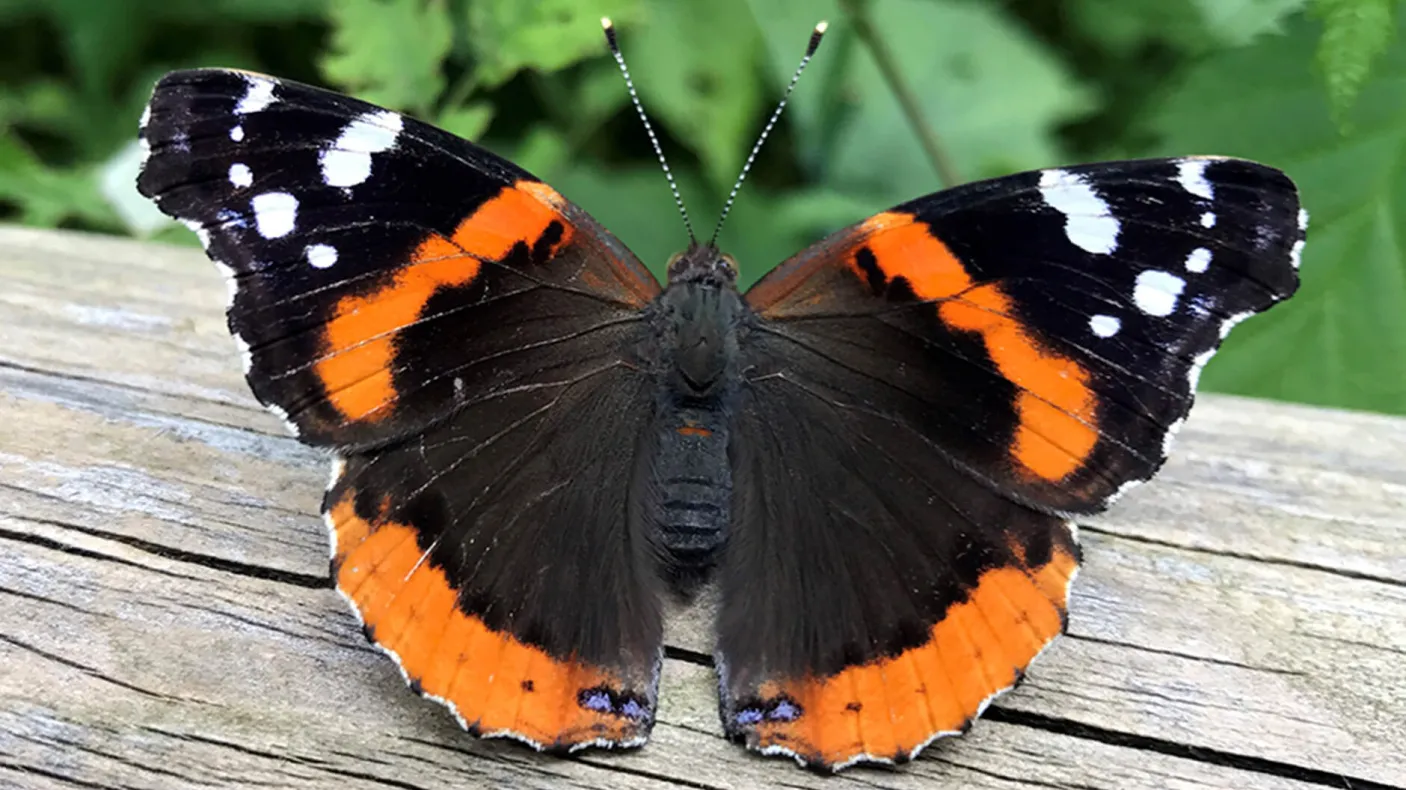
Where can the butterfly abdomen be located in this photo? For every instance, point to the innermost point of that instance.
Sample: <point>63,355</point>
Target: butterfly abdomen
<point>693,485</point>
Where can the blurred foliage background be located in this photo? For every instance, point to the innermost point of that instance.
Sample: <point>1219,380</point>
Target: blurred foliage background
<point>1316,87</point>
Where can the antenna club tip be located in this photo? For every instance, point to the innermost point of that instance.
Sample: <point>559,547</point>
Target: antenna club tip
<point>815,37</point>
<point>606,24</point>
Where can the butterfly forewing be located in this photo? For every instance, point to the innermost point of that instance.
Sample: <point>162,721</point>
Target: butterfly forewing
<point>1045,330</point>
<point>364,248</point>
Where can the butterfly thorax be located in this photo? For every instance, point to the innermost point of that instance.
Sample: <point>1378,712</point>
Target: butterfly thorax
<point>689,476</point>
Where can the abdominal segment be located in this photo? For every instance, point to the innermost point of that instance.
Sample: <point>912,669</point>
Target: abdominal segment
<point>692,491</point>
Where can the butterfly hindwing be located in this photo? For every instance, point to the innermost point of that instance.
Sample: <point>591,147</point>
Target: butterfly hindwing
<point>876,600</point>
<point>381,270</point>
<point>926,395</point>
<point>446,323</point>
<point>491,556</point>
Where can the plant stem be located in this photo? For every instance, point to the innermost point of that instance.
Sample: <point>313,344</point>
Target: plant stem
<point>858,13</point>
<point>459,92</point>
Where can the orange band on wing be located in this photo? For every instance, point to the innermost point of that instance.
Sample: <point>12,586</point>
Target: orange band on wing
<point>356,369</point>
<point>1056,407</point>
<point>496,684</point>
<point>889,709</point>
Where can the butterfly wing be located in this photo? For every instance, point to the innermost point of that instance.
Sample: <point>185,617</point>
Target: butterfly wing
<point>380,269</point>
<point>454,329</point>
<point>492,556</point>
<point>959,373</point>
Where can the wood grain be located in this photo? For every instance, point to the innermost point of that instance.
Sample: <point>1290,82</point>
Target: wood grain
<point>165,619</point>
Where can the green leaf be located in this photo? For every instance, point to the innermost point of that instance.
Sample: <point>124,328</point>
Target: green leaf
<point>992,93</point>
<point>763,230</point>
<point>1239,22</point>
<point>1126,27</point>
<point>786,26</point>
<point>99,38</point>
<point>390,51</point>
<point>695,65</point>
<point>544,152</point>
<point>46,196</point>
<point>1355,32</point>
<point>635,204</point>
<point>547,35</point>
<point>258,10</point>
<point>117,182</point>
<point>1341,339</point>
<point>469,122</point>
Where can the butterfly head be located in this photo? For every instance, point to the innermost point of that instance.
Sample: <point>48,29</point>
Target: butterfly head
<point>703,264</point>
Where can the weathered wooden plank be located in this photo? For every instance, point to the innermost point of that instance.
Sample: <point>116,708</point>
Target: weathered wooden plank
<point>1241,622</point>
<point>152,665</point>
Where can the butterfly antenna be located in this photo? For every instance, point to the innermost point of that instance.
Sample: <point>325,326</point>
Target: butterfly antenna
<point>654,141</point>
<point>814,44</point>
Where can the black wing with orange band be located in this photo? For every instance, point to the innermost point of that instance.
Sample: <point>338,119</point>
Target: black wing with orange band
<point>379,268</point>
<point>389,283</point>
<point>964,371</point>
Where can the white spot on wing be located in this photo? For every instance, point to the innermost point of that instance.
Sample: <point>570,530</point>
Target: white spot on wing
<point>237,134</point>
<point>1156,292</point>
<point>1088,222</point>
<point>146,117</point>
<point>1208,220</point>
<point>1191,174</point>
<point>240,175</point>
<point>1296,253</point>
<point>258,97</point>
<point>1104,325</point>
<point>275,214</point>
<point>1303,219</point>
<point>321,255</point>
<point>348,161</point>
<point>1199,260</point>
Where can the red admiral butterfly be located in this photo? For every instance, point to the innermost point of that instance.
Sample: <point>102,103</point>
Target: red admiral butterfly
<point>874,453</point>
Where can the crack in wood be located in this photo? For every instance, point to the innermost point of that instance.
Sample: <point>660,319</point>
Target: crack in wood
<point>1346,573</point>
<point>250,570</point>
<point>52,601</point>
<point>6,364</point>
<point>89,671</point>
<point>67,548</point>
<point>1158,651</point>
<point>1147,743</point>
<point>54,776</point>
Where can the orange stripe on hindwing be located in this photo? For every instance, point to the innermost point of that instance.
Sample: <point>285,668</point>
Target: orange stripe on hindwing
<point>356,367</point>
<point>1057,427</point>
<point>496,684</point>
<point>888,708</point>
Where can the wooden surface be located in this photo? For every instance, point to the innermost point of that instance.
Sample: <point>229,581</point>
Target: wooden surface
<point>165,619</point>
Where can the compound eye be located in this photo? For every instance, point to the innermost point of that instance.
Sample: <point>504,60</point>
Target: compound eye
<point>729,265</point>
<point>673,259</point>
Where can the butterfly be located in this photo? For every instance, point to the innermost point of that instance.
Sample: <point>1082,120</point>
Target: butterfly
<point>873,455</point>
